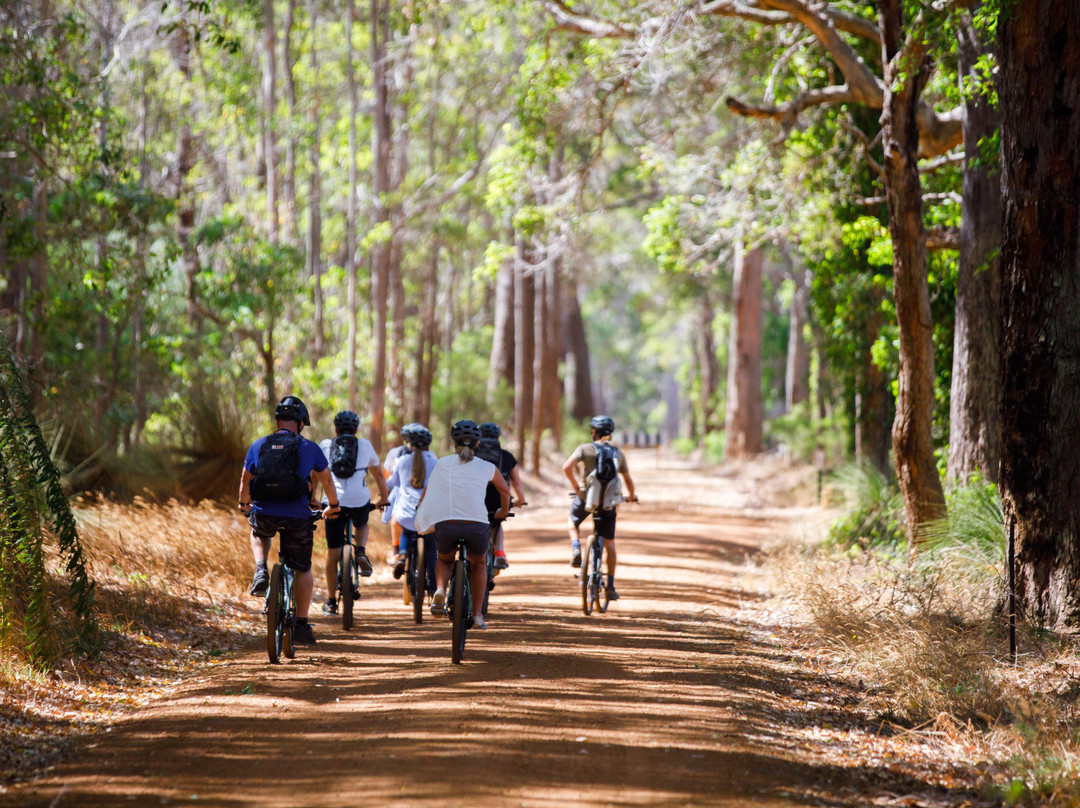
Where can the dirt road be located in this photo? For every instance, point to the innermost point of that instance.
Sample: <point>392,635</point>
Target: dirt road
<point>675,697</point>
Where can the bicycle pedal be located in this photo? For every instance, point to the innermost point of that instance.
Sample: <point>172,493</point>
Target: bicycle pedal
<point>365,573</point>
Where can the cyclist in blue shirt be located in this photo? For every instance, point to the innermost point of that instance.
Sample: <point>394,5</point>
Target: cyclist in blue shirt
<point>276,496</point>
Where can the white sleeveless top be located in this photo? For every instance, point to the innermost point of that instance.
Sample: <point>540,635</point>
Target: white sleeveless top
<point>455,490</point>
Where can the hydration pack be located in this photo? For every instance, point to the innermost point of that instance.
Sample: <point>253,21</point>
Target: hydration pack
<point>277,471</point>
<point>343,450</point>
<point>604,489</point>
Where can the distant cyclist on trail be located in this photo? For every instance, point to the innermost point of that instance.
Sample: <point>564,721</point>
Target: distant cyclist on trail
<point>276,494</point>
<point>411,473</point>
<point>600,459</point>
<point>388,468</point>
<point>491,450</point>
<point>453,505</point>
<point>350,458</point>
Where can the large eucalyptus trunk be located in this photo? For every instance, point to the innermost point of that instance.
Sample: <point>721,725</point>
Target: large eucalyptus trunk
<point>381,253</point>
<point>1039,46</point>
<point>351,268</point>
<point>314,239</point>
<point>540,328</point>
<point>289,186</point>
<point>579,374</point>
<point>906,73</point>
<point>744,400</point>
<point>524,345</point>
<point>269,101</point>
<point>501,368</point>
<point>974,428</point>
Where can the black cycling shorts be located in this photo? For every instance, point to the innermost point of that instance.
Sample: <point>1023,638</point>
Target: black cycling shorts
<point>297,537</point>
<point>335,528</point>
<point>476,535</point>
<point>606,519</point>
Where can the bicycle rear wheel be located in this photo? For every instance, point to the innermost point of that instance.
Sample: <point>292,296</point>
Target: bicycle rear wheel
<point>275,614</point>
<point>601,590</point>
<point>417,578</point>
<point>460,606</point>
<point>346,573</point>
<point>490,577</point>
<point>589,593</point>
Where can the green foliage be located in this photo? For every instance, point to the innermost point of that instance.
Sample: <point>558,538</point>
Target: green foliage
<point>30,489</point>
<point>803,434</point>
<point>971,539</point>
<point>875,511</point>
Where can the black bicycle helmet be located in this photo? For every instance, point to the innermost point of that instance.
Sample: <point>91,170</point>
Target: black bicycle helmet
<point>489,429</point>
<point>602,424</point>
<point>420,437</point>
<point>465,433</point>
<point>292,408</point>
<point>346,422</point>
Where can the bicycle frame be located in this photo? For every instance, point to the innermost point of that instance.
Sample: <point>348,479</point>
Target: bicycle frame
<point>459,604</point>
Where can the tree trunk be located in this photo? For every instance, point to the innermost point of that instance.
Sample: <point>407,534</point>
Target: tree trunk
<point>553,403</point>
<point>501,369</point>
<point>1039,45</point>
<point>913,441</point>
<point>269,100</point>
<point>427,340</point>
<point>974,428</point>
<point>797,370</point>
<point>185,198</point>
<point>709,367</point>
<point>290,120</point>
<point>540,328</point>
<point>314,240</point>
<point>579,375</point>
<point>524,344</point>
<point>351,268</point>
<point>381,257</point>
<point>744,403</point>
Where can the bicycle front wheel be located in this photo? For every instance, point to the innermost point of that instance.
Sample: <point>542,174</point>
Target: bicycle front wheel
<point>275,614</point>
<point>460,608</point>
<point>418,579</point>
<point>346,573</point>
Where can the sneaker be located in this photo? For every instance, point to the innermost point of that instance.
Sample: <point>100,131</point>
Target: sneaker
<point>363,563</point>
<point>478,622</point>
<point>500,560</point>
<point>612,594</point>
<point>575,555</point>
<point>399,567</point>
<point>303,635</point>
<point>330,607</point>
<point>438,602</point>
<point>259,584</point>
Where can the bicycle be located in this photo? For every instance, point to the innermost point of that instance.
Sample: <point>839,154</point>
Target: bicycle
<point>594,594</point>
<point>280,610</point>
<point>459,603</point>
<point>491,571</point>
<point>419,573</point>
<point>349,568</point>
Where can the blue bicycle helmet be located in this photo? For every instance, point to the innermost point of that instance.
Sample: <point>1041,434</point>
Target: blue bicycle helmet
<point>346,422</point>
<point>602,424</point>
<point>292,408</point>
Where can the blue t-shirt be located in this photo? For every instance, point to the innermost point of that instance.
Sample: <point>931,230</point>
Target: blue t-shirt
<point>311,459</point>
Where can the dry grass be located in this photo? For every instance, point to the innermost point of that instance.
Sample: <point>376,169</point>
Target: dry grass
<point>933,659</point>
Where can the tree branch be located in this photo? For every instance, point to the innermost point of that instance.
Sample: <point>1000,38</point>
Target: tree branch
<point>787,112</point>
<point>569,20</point>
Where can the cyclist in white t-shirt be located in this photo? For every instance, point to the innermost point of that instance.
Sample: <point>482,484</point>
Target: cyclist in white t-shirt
<point>350,459</point>
<point>411,473</point>
<point>453,506</point>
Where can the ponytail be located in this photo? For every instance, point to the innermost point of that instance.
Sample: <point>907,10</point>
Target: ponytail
<point>465,452</point>
<point>419,470</point>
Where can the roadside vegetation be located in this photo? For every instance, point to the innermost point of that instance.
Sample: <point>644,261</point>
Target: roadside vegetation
<point>929,641</point>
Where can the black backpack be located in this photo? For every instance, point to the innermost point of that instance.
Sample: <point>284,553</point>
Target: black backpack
<point>490,450</point>
<point>607,461</point>
<point>343,450</point>
<point>277,471</point>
